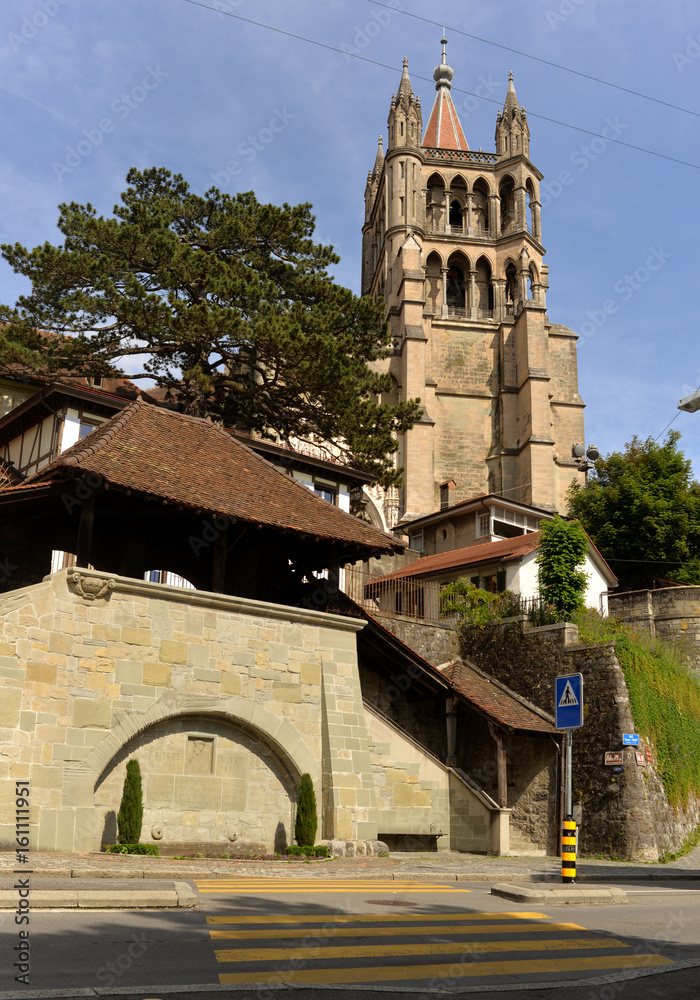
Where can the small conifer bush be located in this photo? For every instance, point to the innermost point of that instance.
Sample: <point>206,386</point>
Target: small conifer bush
<point>130,816</point>
<point>306,821</point>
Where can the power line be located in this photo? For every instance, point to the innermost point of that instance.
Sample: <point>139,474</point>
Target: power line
<point>392,69</point>
<point>546,62</point>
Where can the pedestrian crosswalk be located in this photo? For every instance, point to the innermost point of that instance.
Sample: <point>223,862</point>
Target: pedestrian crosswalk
<point>327,949</point>
<point>268,885</point>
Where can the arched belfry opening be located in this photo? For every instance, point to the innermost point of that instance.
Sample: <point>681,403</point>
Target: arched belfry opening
<point>506,193</point>
<point>457,281</point>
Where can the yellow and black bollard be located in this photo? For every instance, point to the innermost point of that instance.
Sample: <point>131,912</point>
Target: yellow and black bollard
<point>568,851</point>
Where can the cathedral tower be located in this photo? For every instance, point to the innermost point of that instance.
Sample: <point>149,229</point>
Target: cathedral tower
<point>453,241</point>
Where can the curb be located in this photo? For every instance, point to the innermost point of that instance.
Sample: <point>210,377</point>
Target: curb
<point>561,896</point>
<point>181,896</point>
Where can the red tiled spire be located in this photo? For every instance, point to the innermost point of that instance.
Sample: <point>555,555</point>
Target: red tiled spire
<point>444,129</point>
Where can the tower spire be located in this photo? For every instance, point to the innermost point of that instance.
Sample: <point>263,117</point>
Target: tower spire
<point>512,129</point>
<point>444,129</point>
<point>405,121</point>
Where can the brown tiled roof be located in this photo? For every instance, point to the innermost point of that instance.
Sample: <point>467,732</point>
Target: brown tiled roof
<point>505,550</point>
<point>444,130</point>
<point>496,700</point>
<point>194,463</point>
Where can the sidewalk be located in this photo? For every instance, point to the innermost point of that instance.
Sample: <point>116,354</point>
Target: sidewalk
<point>70,880</point>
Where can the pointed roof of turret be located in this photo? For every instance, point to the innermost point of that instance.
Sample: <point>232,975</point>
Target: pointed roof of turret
<point>511,105</point>
<point>379,162</point>
<point>444,129</point>
<point>405,88</point>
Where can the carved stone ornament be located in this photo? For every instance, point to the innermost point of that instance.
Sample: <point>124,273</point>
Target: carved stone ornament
<point>89,587</point>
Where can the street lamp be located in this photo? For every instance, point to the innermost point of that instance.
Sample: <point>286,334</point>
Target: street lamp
<point>591,456</point>
<point>690,403</point>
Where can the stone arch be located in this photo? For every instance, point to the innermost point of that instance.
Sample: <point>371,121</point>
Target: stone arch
<point>506,191</point>
<point>480,208</point>
<point>458,268</point>
<point>433,281</point>
<point>249,757</point>
<point>435,202</point>
<point>280,734</point>
<point>483,288</point>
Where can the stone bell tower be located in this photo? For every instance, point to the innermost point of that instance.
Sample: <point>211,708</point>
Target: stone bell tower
<point>453,241</point>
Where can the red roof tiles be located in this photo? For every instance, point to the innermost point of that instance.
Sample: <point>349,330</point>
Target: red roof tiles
<point>505,550</point>
<point>496,700</point>
<point>444,130</point>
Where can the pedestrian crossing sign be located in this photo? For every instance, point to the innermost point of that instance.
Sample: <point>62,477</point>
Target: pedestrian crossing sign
<point>568,701</point>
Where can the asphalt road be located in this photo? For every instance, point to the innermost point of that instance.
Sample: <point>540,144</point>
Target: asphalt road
<point>251,939</point>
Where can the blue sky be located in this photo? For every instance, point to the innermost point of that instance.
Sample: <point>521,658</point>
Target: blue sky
<point>93,87</point>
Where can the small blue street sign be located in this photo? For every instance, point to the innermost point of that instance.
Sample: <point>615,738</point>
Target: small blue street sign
<point>630,739</point>
<point>568,701</point>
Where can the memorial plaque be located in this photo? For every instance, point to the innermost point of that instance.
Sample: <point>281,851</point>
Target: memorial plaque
<point>199,757</point>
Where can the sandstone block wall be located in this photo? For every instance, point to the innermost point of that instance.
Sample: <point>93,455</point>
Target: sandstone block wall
<point>221,699</point>
<point>672,613</point>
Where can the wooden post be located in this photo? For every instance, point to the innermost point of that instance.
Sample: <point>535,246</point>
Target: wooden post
<point>501,761</point>
<point>219,567</point>
<point>85,526</point>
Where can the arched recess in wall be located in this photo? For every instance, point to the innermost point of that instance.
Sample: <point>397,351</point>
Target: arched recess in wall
<point>457,284</point>
<point>511,290</point>
<point>209,773</point>
<point>433,277</point>
<point>435,203</point>
<point>484,289</point>
<point>458,202</point>
<point>530,194</point>
<point>506,192</point>
<point>532,279</point>
<point>480,208</point>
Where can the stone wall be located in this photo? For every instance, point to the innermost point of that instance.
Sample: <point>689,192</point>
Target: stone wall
<point>224,701</point>
<point>622,815</point>
<point>435,643</point>
<point>671,612</point>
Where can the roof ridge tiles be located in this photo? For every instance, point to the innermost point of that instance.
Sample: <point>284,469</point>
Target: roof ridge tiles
<point>102,437</point>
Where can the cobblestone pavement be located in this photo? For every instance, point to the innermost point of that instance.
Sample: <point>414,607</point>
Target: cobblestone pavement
<point>443,865</point>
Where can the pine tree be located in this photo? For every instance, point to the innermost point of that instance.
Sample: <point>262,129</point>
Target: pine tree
<point>130,816</point>
<point>225,303</point>
<point>306,822</point>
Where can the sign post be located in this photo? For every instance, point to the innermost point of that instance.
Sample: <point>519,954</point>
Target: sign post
<point>568,711</point>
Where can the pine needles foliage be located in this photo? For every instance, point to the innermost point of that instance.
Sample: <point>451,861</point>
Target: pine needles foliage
<point>306,821</point>
<point>130,816</point>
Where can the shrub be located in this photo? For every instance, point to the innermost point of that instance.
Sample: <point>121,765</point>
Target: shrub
<point>297,850</point>
<point>130,816</point>
<point>561,553</point>
<point>306,821</point>
<point>151,849</point>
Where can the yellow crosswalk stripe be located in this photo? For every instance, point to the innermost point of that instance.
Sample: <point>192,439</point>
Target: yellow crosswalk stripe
<point>402,950</point>
<point>541,966</point>
<point>355,918</point>
<point>358,932</point>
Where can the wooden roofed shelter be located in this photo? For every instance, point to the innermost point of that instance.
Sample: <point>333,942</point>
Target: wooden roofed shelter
<point>150,488</point>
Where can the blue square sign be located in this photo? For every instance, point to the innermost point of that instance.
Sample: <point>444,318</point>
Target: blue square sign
<point>568,701</point>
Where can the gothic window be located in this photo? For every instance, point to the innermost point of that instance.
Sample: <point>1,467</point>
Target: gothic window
<point>456,288</point>
<point>432,292</point>
<point>480,209</point>
<point>455,216</point>
<point>484,289</point>
<point>507,195</point>
<point>511,288</point>
<point>530,191</point>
